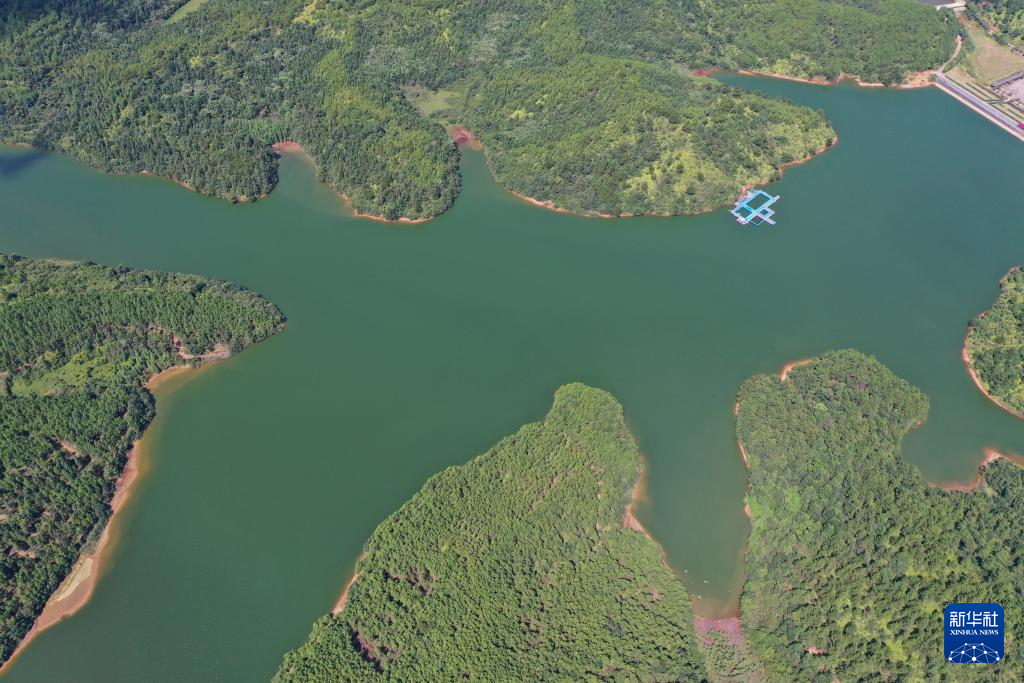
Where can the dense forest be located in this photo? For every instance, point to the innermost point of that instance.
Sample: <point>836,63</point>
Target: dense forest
<point>585,102</point>
<point>1005,16</point>
<point>995,344</point>
<point>77,341</point>
<point>516,566</point>
<point>852,556</point>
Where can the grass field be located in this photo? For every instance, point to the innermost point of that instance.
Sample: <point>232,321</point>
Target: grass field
<point>431,103</point>
<point>185,10</point>
<point>990,61</point>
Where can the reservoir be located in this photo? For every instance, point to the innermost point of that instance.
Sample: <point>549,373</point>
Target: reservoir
<point>411,348</point>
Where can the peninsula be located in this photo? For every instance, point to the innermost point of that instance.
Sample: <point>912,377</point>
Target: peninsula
<point>578,105</point>
<point>994,346</point>
<point>519,565</point>
<point>80,346</point>
<point>852,555</point>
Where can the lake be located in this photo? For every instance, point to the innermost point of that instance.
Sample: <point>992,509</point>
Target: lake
<point>411,348</point>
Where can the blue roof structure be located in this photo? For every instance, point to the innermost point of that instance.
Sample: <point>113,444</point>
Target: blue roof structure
<point>754,208</point>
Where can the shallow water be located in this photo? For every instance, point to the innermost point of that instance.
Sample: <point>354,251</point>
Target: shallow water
<point>410,348</point>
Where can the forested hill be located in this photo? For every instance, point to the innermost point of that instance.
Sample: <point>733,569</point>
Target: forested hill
<point>131,85</point>
<point>77,341</point>
<point>995,344</point>
<point>852,556</point>
<point>516,566</point>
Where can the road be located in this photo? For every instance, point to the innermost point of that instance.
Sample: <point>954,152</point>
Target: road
<point>979,105</point>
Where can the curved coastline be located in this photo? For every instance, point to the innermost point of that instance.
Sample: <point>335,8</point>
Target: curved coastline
<point>991,455</point>
<point>343,598</point>
<point>916,79</point>
<point>781,168</point>
<point>965,355</point>
<point>295,147</point>
<point>78,586</point>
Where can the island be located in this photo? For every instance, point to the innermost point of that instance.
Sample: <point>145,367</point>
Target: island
<point>78,344</point>
<point>994,346</point>
<point>523,564</point>
<point>584,106</point>
<point>852,556</point>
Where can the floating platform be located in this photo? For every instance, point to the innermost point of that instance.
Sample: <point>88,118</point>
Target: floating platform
<point>754,208</point>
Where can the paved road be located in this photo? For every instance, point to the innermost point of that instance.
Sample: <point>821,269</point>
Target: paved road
<point>983,107</point>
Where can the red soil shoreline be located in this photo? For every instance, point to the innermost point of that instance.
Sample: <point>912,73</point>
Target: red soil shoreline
<point>174,180</point>
<point>550,205</point>
<point>788,367</point>
<point>343,598</point>
<point>78,586</point>
<point>965,355</point>
<point>629,518</point>
<point>462,137</point>
<point>295,147</point>
<point>991,455</point>
<point>915,80</point>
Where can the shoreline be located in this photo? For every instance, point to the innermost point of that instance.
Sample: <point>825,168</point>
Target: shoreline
<point>295,147</point>
<point>343,598</point>
<point>781,168</point>
<point>638,493</point>
<point>965,354</point>
<point>77,588</point>
<point>783,374</point>
<point>790,366</point>
<point>182,183</point>
<point>978,110</point>
<point>966,357</point>
<point>913,81</point>
<point>991,455</point>
<point>463,137</point>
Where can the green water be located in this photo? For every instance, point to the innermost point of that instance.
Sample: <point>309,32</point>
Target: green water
<point>412,348</point>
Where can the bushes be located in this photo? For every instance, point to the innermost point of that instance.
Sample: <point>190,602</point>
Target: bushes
<point>995,344</point>
<point>116,85</point>
<point>851,553</point>
<point>76,343</point>
<point>515,566</point>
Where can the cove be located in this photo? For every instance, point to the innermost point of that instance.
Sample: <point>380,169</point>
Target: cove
<point>411,348</point>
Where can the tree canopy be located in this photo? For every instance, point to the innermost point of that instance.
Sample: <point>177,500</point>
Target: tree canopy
<point>515,566</point>
<point>852,556</point>
<point>995,344</point>
<point>583,102</point>
<point>77,341</point>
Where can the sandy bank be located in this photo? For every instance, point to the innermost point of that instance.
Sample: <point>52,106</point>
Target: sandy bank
<point>788,367</point>
<point>295,147</point>
<point>343,598</point>
<point>965,355</point>
<point>917,79</point>
<point>381,219</point>
<point>285,146</point>
<point>182,183</point>
<point>550,205</point>
<point>639,492</point>
<point>462,137</point>
<point>991,455</point>
<point>783,374</point>
<point>77,588</point>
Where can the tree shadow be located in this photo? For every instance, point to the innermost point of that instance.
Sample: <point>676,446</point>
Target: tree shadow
<point>13,164</point>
